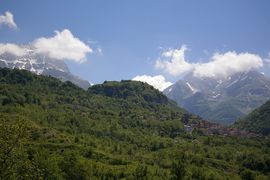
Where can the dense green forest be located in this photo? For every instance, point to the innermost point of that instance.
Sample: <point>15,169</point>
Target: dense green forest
<point>116,130</point>
<point>257,121</point>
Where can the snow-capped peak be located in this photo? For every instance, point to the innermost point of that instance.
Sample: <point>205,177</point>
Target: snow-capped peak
<point>191,88</point>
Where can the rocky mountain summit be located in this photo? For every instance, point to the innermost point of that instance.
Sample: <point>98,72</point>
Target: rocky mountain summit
<point>41,64</point>
<point>221,100</point>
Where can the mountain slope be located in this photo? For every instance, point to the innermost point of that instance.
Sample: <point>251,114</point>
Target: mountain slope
<point>221,100</point>
<point>155,107</point>
<point>257,121</point>
<point>41,64</point>
<point>131,90</point>
<point>117,130</point>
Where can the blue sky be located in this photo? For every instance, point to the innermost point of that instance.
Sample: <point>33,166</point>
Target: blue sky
<point>134,34</point>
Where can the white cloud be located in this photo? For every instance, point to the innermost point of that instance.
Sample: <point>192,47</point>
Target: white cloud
<point>173,61</point>
<point>224,65</point>
<point>63,46</point>
<point>219,66</point>
<point>8,20</point>
<point>157,82</point>
<point>13,49</point>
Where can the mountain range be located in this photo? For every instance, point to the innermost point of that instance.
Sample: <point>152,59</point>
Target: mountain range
<point>221,100</point>
<point>41,64</point>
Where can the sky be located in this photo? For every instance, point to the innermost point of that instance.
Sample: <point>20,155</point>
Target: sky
<point>157,41</point>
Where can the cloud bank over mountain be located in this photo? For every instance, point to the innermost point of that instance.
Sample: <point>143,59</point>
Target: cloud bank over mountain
<point>227,64</point>
<point>157,82</point>
<point>173,61</point>
<point>12,49</point>
<point>62,46</point>
<point>220,65</point>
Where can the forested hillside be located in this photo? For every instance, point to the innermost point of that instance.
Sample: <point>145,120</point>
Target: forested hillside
<point>257,121</point>
<point>116,130</point>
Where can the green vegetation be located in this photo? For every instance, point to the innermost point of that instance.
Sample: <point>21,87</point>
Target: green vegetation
<point>117,130</point>
<point>257,121</point>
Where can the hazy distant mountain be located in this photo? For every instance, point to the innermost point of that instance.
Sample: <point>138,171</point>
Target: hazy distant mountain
<point>41,64</point>
<point>221,100</point>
